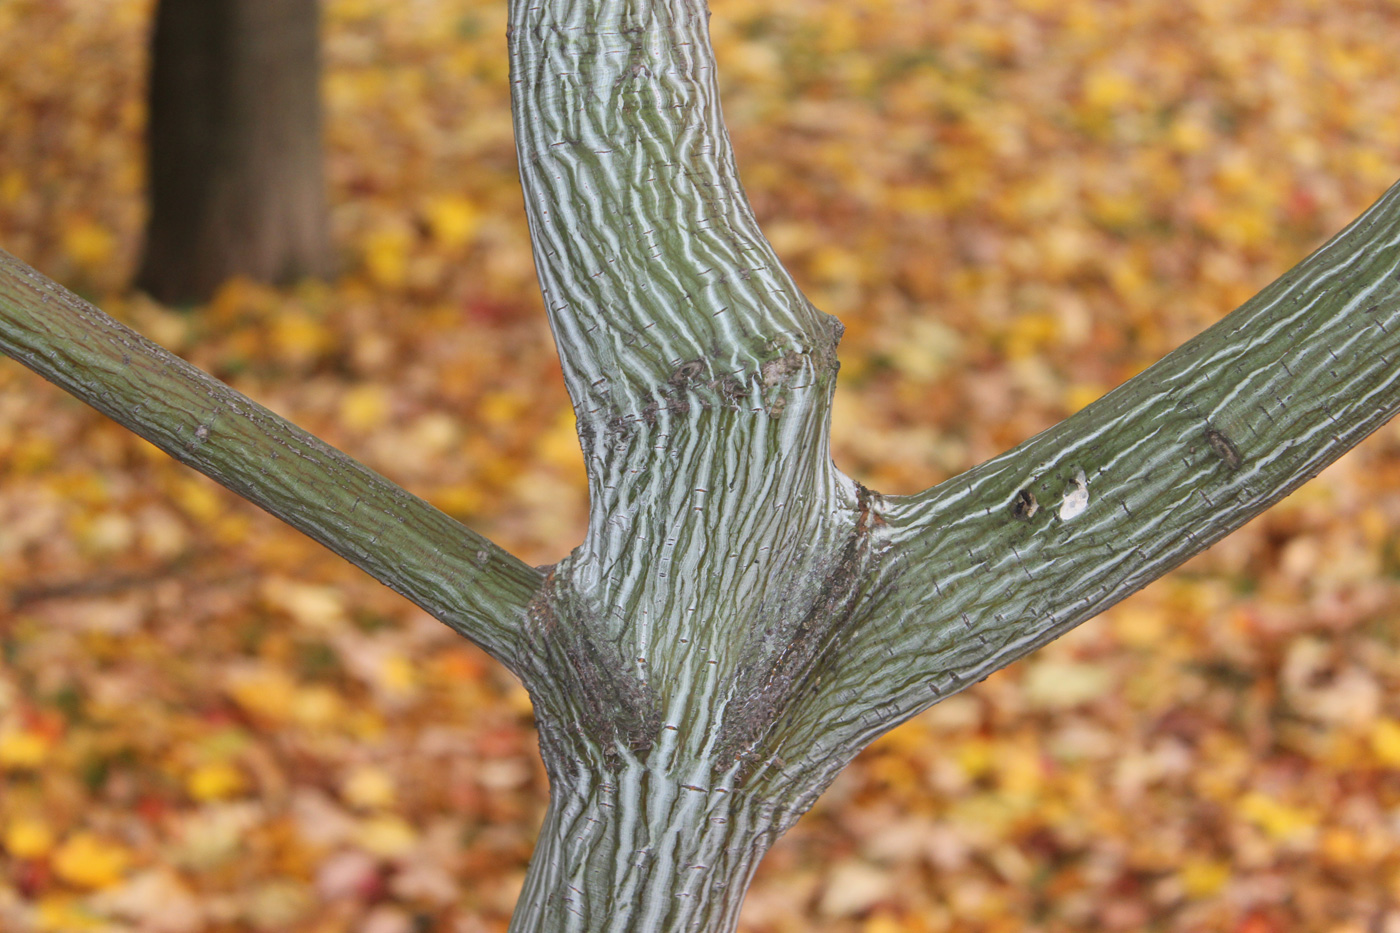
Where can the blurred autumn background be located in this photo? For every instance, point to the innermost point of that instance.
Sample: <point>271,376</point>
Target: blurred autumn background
<point>209,724</point>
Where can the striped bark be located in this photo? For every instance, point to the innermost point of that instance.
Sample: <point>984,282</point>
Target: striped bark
<point>741,618</point>
<point>737,589</point>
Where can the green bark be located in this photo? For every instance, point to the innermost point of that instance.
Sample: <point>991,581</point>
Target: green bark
<point>741,618</point>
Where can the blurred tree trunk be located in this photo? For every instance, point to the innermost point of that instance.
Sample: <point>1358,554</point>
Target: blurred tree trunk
<point>234,147</point>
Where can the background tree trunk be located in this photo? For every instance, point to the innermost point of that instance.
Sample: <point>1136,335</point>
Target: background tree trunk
<point>235,159</point>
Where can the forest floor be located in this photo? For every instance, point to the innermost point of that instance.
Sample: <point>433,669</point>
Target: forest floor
<point>207,723</point>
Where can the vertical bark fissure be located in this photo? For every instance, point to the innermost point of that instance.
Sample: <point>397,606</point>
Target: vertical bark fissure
<point>644,848</point>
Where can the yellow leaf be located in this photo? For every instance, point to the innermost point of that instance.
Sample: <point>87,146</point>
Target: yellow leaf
<point>268,693</point>
<point>365,407</point>
<point>1030,333</point>
<point>317,707</point>
<point>1236,175</point>
<point>833,264</point>
<point>976,757</point>
<point>754,62</point>
<point>499,408</point>
<point>1022,771</point>
<point>1116,210</point>
<point>560,443</point>
<point>454,220</point>
<point>386,257</point>
<point>366,725</point>
<point>1189,136</point>
<point>109,533</point>
<point>1106,88</point>
<point>11,187</point>
<point>398,675</point>
<point>458,500</point>
<point>28,837</point>
<point>1385,742</point>
<point>883,923</point>
<point>58,913</point>
<point>199,498</point>
<point>1080,395</point>
<point>1278,820</point>
<point>215,781</point>
<point>1342,847</point>
<point>299,338</point>
<point>434,434</point>
<point>90,862</point>
<point>1204,877</point>
<point>32,455</point>
<point>1140,625</point>
<point>90,245</point>
<point>1242,227</point>
<point>386,836</point>
<point>1375,526</point>
<point>518,700</point>
<point>1370,164</point>
<point>23,749</point>
<point>231,528</point>
<point>369,787</point>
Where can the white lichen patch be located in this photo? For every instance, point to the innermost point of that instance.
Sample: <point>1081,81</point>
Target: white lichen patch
<point>1077,499</point>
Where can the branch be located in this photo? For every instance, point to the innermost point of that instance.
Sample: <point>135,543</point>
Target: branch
<point>988,566</point>
<point>460,577</point>
<point>700,377</point>
<point>655,273</point>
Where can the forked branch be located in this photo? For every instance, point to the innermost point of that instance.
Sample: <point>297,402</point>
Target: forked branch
<point>986,567</point>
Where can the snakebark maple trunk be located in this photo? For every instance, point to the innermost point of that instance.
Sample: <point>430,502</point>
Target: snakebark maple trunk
<point>741,618</point>
<point>725,553</point>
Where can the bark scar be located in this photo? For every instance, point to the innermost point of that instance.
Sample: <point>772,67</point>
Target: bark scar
<point>1224,448</point>
<point>1024,507</point>
<point>1075,500</point>
<point>769,683</point>
<point>581,685</point>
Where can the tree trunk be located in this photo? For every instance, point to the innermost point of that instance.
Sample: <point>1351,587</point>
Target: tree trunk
<point>235,170</point>
<point>741,618</point>
<point>644,850</point>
